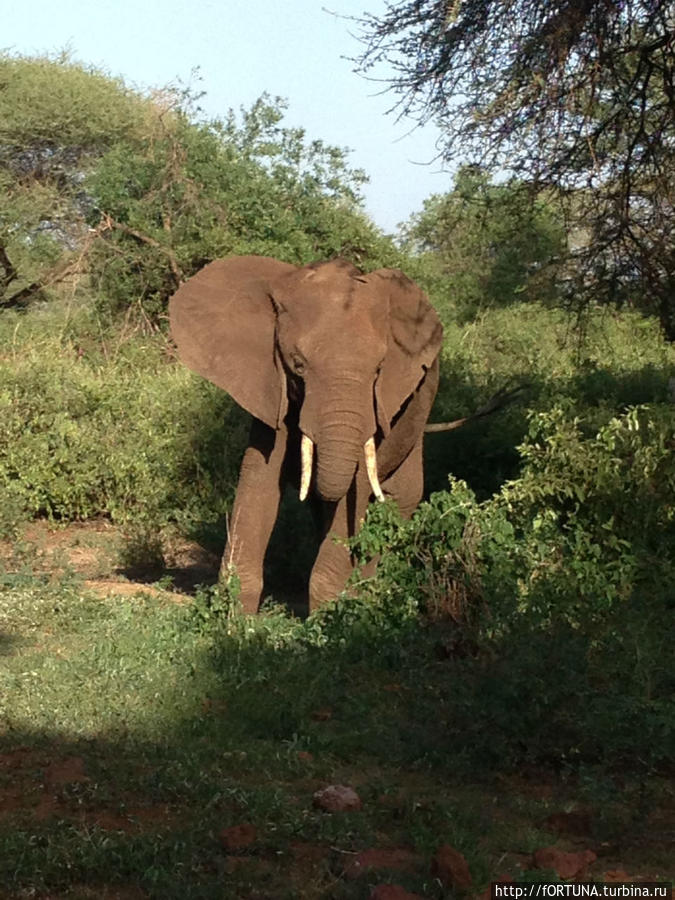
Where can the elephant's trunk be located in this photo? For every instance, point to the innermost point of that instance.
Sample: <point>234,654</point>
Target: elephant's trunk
<point>341,428</point>
<point>335,469</point>
<point>337,457</point>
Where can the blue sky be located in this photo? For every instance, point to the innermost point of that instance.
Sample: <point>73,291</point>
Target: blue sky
<point>290,49</point>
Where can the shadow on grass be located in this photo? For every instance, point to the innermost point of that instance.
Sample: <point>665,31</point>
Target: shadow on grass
<point>9,644</point>
<point>176,734</point>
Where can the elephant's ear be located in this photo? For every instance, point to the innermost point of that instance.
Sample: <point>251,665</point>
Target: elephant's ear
<point>223,322</point>
<point>414,342</point>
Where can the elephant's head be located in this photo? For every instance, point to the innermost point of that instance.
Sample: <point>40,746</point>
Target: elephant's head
<point>348,349</point>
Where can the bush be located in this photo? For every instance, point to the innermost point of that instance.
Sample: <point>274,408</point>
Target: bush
<point>561,587</point>
<point>618,360</point>
<point>126,436</point>
<point>192,192</point>
<point>486,245</point>
<point>139,191</point>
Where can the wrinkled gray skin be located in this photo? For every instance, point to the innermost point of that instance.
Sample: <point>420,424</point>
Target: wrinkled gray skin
<point>323,351</point>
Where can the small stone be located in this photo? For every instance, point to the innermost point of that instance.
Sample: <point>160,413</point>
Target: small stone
<point>322,715</point>
<point>617,875</point>
<point>305,756</point>
<point>451,868</point>
<point>238,837</point>
<point>565,865</point>
<point>337,798</point>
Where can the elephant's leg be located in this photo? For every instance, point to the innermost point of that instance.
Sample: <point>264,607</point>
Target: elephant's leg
<point>255,511</point>
<point>334,563</point>
<point>406,484</point>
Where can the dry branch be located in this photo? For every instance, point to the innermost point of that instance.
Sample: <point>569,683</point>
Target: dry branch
<point>52,276</point>
<point>152,242</point>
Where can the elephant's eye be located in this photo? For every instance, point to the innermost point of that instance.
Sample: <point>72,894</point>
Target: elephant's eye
<point>298,364</point>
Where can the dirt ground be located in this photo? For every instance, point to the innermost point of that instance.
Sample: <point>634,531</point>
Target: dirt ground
<point>105,558</point>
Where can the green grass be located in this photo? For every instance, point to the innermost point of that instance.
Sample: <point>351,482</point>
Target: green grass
<point>181,726</point>
<point>134,729</point>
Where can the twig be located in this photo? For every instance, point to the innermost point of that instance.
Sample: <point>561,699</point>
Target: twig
<point>7,265</point>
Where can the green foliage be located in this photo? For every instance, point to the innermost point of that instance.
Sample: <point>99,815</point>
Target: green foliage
<point>138,192</point>
<point>196,191</point>
<point>563,580</point>
<point>56,119</point>
<point>54,102</point>
<point>119,434</point>
<point>599,511</point>
<point>617,360</point>
<point>444,560</point>
<point>485,245</point>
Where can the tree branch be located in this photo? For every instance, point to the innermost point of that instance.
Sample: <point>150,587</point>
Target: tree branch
<point>53,276</point>
<point>10,271</point>
<point>146,239</point>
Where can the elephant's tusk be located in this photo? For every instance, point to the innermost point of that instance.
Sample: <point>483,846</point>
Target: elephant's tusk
<point>306,457</point>
<point>371,468</point>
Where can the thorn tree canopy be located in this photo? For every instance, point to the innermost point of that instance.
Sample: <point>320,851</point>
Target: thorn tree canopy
<point>575,94</point>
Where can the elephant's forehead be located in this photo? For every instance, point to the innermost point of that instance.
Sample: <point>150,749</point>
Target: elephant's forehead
<point>325,292</point>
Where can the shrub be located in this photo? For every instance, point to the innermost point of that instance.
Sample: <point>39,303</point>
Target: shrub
<point>128,436</point>
<point>617,361</point>
<point>561,584</point>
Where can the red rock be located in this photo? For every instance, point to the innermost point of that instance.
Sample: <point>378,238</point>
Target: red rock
<point>238,837</point>
<point>323,714</point>
<point>337,798</point>
<point>565,865</point>
<point>616,875</point>
<point>305,756</point>
<point>487,893</point>
<point>396,859</point>
<point>451,868</point>
<point>392,892</point>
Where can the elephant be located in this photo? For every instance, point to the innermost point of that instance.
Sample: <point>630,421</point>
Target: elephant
<point>339,370</point>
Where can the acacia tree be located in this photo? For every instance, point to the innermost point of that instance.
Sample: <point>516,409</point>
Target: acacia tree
<point>576,95</point>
